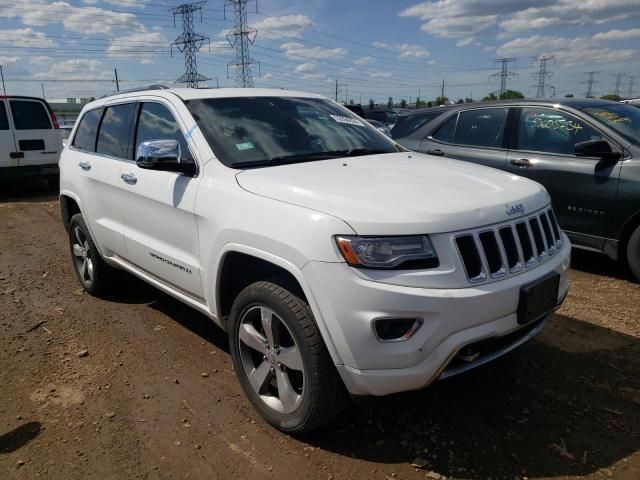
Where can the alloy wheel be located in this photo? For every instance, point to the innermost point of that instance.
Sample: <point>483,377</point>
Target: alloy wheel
<point>84,264</point>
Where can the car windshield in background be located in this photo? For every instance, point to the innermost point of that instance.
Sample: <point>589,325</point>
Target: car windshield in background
<point>622,118</point>
<point>263,131</point>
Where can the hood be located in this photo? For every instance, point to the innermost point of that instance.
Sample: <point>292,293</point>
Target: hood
<point>398,193</point>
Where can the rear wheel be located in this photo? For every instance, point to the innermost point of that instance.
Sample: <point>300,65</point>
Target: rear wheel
<point>95,276</point>
<point>281,361</point>
<point>633,253</point>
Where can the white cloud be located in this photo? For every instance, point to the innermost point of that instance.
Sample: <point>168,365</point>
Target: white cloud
<point>9,60</point>
<point>376,74</point>
<point>405,50</point>
<point>305,67</point>
<point>76,68</point>
<point>617,34</point>
<point>26,37</point>
<point>464,42</point>
<point>139,42</point>
<point>87,20</point>
<point>287,26</point>
<point>117,3</point>
<point>572,12</point>
<point>569,51</point>
<point>41,60</point>
<point>296,51</point>
<point>364,61</point>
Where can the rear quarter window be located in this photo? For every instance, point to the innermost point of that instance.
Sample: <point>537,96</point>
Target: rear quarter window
<point>85,137</point>
<point>30,115</point>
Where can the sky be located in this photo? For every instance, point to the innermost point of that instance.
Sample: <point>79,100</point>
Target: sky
<point>373,49</point>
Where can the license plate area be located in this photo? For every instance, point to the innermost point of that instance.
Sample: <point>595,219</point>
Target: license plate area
<point>538,298</point>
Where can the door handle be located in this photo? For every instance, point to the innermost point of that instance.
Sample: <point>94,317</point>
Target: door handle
<point>521,162</point>
<point>16,155</point>
<point>85,165</point>
<point>437,152</point>
<point>129,178</point>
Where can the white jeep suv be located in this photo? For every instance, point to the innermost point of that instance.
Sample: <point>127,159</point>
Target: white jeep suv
<point>337,261</point>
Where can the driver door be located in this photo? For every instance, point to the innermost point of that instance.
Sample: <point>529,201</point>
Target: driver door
<point>582,189</point>
<point>161,233</point>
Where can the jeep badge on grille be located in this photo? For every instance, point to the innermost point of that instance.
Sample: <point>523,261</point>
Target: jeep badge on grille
<point>517,208</point>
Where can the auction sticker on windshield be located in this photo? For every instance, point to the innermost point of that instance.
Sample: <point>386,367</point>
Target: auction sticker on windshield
<point>350,121</point>
<point>245,146</point>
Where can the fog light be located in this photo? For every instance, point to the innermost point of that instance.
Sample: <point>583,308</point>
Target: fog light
<point>396,329</point>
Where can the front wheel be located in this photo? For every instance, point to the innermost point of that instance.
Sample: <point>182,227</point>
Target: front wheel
<point>633,253</point>
<point>280,359</point>
<point>95,276</point>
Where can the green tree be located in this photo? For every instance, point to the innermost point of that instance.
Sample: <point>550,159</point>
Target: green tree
<point>468,100</point>
<point>460,100</point>
<point>429,104</point>
<point>611,96</point>
<point>418,102</point>
<point>569,95</point>
<point>390,102</point>
<point>509,94</point>
<point>403,103</point>
<point>441,101</point>
<point>351,101</point>
<point>492,96</point>
<point>372,103</point>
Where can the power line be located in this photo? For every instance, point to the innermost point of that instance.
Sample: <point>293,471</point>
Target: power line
<point>542,75</point>
<point>504,75</point>
<point>630,92</point>
<point>591,81</point>
<point>189,43</point>
<point>241,37</point>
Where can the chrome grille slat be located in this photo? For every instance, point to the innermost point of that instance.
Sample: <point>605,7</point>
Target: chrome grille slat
<point>509,248</point>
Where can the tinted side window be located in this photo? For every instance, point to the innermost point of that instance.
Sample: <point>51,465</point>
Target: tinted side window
<point>85,138</point>
<point>552,131</point>
<point>4,121</point>
<point>406,125</point>
<point>482,127</point>
<point>446,130</point>
<point>115,129</point>
<point>29,115</point>
<point>156,122</point>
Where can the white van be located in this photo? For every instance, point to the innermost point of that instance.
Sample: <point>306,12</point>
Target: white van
<point>30,144</point>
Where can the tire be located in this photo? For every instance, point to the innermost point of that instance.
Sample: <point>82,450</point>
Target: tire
<point>95,276</point>
<point>633,253</point>
<point>294,393</point>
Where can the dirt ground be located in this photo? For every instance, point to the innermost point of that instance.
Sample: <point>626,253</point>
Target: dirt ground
<point>153,395</point>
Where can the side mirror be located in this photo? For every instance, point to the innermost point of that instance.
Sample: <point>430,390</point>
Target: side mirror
<point>597,148</point>
<point>163,155</point>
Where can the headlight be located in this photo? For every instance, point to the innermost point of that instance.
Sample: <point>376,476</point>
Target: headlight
<point>410,252</point>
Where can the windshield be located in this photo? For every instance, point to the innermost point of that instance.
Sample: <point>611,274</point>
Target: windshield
<point>622,118</point>
<point>263,131</point>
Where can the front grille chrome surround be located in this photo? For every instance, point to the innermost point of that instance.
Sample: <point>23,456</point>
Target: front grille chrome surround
<point>509,248</point>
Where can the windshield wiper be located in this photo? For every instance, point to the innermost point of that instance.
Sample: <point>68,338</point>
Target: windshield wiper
<point>308,157</point>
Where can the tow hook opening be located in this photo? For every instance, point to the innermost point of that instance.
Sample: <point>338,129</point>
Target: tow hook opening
<point>396,329</point>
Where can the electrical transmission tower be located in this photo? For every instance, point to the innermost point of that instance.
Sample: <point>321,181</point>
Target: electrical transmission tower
<point>189,42</point>
<point>542,75</point>
<point>504,74</point>
<point>619,77</point>
<point>240,38</point>
<point>591,81</point>
<point>630,91</point>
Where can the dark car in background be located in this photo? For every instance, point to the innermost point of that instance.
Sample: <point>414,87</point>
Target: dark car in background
<point>585,152</point>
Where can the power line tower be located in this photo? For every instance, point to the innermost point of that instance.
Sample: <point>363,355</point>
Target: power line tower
<point>189,42</point>
<point>619,77</point>
<point>240,38</point>
<point>630,91</point>
<point>504,74</point>
<point>542,75</point>
<point>591,81</point>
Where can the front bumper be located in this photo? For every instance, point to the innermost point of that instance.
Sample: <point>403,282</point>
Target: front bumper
<point>452,319</point>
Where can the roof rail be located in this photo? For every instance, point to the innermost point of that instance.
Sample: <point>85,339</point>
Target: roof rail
<point>138,89</point>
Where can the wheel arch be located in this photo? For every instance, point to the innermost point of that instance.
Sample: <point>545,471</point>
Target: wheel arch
<point>238,266</point>
<point>69,206</point>
<point>629,227</point>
